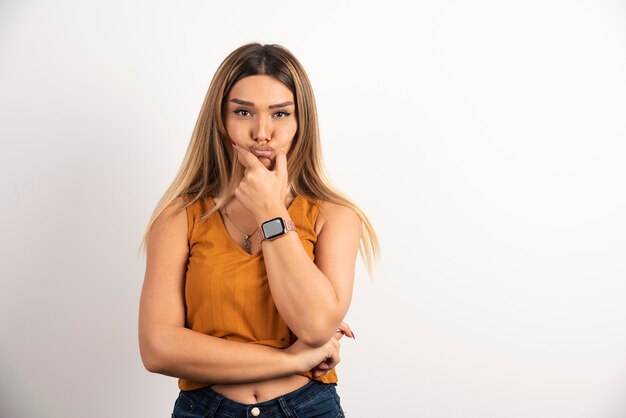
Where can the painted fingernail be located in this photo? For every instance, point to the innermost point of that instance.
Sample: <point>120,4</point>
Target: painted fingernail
<point>353,335</point>
<point>234,145</point>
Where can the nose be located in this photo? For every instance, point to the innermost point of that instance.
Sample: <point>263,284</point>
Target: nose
<point>262,131</point>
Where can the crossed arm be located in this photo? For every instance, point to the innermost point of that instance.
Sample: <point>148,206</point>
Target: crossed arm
<point>311,296</point>
<point>314,296</point>
<point>167,347</point>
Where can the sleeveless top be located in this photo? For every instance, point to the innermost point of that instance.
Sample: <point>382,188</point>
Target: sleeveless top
<point>227,293</point>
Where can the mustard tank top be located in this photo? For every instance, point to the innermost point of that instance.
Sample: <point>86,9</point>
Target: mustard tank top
<point>226,289</point>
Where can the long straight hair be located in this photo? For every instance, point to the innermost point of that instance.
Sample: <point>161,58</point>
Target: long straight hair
<point>209,164</point>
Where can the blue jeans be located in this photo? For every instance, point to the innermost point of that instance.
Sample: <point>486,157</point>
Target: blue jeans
<point>313,400</point>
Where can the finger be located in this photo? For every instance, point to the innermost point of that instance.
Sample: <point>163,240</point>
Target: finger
<point>338,334</point>
<point>280,166</point>
<point>345,328</point>
<point>248,159</point>
<point>323,366</point>
<point>319,372</point>
<point>333,361</point>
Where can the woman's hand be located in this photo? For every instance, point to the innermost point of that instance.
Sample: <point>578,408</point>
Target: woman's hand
<point>344,329</point>
<point>262,191</point>
<point>323,368</point>
<point>322,359</point>
<point>307,357</point>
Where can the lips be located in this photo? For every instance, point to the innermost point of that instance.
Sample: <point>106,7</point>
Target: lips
<point>266,153</point>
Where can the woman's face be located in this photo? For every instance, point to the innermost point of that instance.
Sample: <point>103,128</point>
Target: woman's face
<point>260,116</point>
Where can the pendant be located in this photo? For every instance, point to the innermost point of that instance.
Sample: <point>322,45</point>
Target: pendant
<point>246,243</point>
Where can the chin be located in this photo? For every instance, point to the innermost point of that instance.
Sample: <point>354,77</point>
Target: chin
<point>267,162</point>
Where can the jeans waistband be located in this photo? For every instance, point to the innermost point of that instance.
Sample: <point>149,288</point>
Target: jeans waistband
<point>211,401</point>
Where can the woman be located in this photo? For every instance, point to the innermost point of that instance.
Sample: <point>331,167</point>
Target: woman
<point>251,252</point>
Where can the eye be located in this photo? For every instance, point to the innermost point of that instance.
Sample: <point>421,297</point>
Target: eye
<point>241,112</point>
<point>282,114</point>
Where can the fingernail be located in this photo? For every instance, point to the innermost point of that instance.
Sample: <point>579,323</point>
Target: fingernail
<point>353,335</point>
<point>233,142</point>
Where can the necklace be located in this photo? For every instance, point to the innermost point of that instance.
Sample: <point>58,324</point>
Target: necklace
<point>245,243</point>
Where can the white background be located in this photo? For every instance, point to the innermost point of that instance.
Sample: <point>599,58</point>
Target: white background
<point>485,139</point>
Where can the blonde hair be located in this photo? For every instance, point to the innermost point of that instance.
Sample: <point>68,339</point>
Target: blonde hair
<point>209,164</point>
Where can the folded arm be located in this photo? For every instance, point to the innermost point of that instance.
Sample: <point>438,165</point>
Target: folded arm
<point>313,297</point>
<point>167,347</point>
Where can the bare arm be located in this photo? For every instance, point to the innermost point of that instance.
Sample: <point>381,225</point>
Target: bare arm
<point>313,297</point>
<point>167,347</point>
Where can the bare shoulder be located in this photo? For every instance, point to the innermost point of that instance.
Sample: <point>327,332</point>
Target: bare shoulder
<point>173,216</point>
<point>169,230</point>
<point>336,215</point>
<point>337,246</point>
<point>162,295</point>
<point>167,255</point>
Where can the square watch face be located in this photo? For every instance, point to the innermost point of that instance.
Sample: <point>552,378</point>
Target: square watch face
<point>273,228</point>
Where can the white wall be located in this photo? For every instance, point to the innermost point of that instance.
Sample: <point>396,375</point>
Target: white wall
<point>484,138</point>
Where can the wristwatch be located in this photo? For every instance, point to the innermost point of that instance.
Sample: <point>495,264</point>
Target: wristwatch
<point>275,228</point>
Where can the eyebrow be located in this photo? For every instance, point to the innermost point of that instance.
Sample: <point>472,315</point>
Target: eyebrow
<point>246,103</point>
